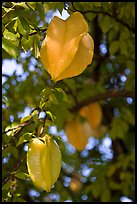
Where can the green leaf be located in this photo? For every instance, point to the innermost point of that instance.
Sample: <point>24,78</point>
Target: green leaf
<point>115,25</point>
<point>56,5</point>
<point>49,123</point>
<point>26,118</point>
<point>115,186</point>
<point>53,99</point>
<point>14,152</point>
<point>22,175</point>
<point>21,4</point>
<point>65,97</point>
<point>27,44</point>
<point>119,128</point>
<point>123,47</point>
<point>35,118</point>
<point>15,24</point>
<point>18,199</point>
<point>105,196</point>
<point>10,36</point>
<point>111,170</point>
<point>7,10</point>
<point>46,6</point>
<point>114,47</point>
<point>59,97</point>
<point>105,24</point>
<point>9,47</point>
<point>32,5</point>
<point>128,116</point>
<point>11,132</point>
<point>24,138</point>
<point>50,114</point>
<point>98,4</point>
<point>60,7</point>
<point>23,26</point>
<point>7,185</point>
<point>96,190</point>
<point>44,105</point>
<point>46,92</point>
<point>44,102</point>
<point>124,35</point>
<point>106,6</point>
<point>112,34</point>
<point>61,113</point>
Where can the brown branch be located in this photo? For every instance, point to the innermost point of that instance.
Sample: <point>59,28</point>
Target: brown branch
<point>16,127</point>
<point>16,133</point>
<point>103,96</point>
<point>107,14</point>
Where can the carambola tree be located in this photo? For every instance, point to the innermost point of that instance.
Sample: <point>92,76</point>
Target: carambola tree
<point>68,101</point>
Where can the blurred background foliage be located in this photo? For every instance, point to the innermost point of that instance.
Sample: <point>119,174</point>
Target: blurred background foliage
<point>104,171</point>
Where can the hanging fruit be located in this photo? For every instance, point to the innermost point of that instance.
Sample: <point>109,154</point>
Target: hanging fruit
<point>67,48</point>
<point>78,133</point>
<point>44,162</point>
<point>92,113</point>
<point>75,184</point>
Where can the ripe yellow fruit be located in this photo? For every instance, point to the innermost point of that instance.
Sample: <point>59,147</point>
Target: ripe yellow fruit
<point>92,113</point>
<point>78,133</point>
<point>67,48</point>
<point>75,184</point>
<point>44,162</point>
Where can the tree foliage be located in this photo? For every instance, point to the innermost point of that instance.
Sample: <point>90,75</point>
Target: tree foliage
<point>99,174</point>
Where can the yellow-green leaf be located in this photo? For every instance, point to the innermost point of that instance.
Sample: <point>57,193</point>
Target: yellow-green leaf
<point>9,47</point>
<point>24,138</point>
<point>26,118</point>
<point>114,47</point>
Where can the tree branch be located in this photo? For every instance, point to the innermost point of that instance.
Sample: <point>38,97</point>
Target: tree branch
<point>16,127</point>
<point>104,96</point>
<point>107,14</point>
<point>16,133</point>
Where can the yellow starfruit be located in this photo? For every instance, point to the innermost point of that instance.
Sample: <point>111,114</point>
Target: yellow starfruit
<point>78,133</point>
<point>44,162</point>
<point>93,114</point>
<point>67,48</point>
<point>75,184</point>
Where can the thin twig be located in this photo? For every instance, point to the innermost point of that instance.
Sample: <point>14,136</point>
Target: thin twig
<point>39,30</point>
<point>16,127</point>
<point>16,134</point>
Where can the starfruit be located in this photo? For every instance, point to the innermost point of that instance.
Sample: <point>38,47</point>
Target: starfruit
<point>67,48</point>
<point>78,133</point>
<point>75,184</point>
<point>44,162</point>
<point>93,114</point>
